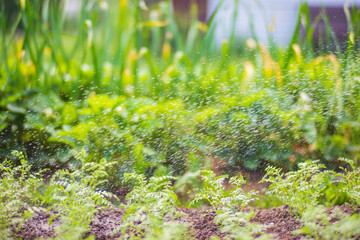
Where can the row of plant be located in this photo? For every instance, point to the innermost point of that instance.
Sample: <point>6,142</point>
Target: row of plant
<point>168,137</point>
<point>151,208</point>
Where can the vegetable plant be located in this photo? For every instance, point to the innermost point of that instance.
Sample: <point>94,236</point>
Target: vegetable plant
<point>229,205</point>
<point>148,205</point>
<point>213,191</point>
<point>350,179</point>
<point>298,189</point>
<point>317,223</point>
<point>23,192</point>
<point>18,194</point>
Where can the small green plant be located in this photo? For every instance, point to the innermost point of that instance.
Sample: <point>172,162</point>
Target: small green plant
<point>334,193</point>
<point>317,223</point>
<point>213,191</point>
<point>75,205</point>
<point>18,193</point>
<point>154,193</point>
<point>78,201</point>
<point>171,230</point>
<point>238,226</point>
<point>148,205</point>
<point>351,181</point>
<point>229,205</point>
<point>22,192</point>
<point>298,189</point>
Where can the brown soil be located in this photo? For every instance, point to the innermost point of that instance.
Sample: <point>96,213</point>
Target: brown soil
<point>281,223</point>
<point>38,226</point>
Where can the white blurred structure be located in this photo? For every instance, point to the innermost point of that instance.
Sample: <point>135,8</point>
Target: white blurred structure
<point>277,17</point>
<point>72,7</point>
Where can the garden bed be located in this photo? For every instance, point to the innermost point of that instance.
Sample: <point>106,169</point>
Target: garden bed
<point>315,203</point>
<point>279,220</point>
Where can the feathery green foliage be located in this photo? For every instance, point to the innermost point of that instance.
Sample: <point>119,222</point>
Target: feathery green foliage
<point>299,189</point>
<point>122,87</point>
<point>318,224</point>
<point>18,193</point>
<point>213,191</point>
<point>351,180</point>
<point>23,192</point>
<point>229,205</point>
<point>312,184</point>
<point>151,209</point>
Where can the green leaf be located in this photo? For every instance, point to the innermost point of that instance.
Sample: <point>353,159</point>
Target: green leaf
<point>15,108</point>
<point>3,126</point>
<point>251,164</point>
<point>310,132</point>
<point>69,113</point>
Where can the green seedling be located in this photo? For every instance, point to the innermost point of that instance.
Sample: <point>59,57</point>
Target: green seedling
<point>317,223</point>
<point>229,205</point>
<point>151,208</point>
<point>18,194</point>
<point>298,189</point>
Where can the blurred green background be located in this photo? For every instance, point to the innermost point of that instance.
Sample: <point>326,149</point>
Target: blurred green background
<point>125,81</point>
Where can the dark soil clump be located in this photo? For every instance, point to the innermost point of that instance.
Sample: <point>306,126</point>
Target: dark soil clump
<point>279,220</point>
<point>202,222</point>
<point>106,224</point>
<point>38,226</point>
